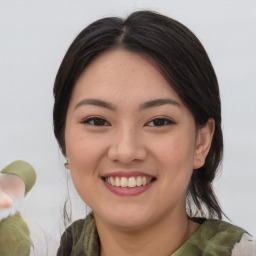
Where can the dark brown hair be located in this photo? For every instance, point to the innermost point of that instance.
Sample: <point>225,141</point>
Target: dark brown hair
<point>179,56</point>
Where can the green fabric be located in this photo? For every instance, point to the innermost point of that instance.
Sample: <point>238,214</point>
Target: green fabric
<point>23,170</point>
<point>212,238</point>
<point>14,237</point>
<point>80,239</point>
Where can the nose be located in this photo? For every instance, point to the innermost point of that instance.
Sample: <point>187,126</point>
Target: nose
<point>127,147</point>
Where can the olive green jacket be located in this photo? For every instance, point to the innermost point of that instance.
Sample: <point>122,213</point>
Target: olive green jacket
<point>14,233</point>
<point>212,238</point>
<point>14,237</point>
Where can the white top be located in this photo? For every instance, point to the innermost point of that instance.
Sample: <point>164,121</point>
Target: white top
<point>245,247</point>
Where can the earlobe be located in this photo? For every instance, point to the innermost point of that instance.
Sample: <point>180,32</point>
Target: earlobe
<point>203,143</point>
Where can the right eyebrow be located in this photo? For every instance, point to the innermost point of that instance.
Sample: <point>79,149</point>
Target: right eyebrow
<point>96,102</point>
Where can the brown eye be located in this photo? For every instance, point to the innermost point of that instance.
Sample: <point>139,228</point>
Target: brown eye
<point>96,121</point>
<point>160,122</point>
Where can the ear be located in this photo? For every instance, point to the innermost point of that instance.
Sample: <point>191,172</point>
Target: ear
<point>203,143</point>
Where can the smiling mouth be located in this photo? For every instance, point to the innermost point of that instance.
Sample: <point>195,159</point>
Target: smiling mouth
<point>128,182</point>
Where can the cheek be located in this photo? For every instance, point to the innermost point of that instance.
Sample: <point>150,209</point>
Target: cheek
<point>176,150</point>
<point>82,153</point>
<point>175,157</point>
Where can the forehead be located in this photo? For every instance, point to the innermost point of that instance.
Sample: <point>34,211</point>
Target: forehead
<point>122,75</point>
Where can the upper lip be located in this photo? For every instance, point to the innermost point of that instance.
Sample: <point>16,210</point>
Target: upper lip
<point>127,174</point>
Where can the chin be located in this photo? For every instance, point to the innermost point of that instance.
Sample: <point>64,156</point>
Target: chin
<point>127,219</point>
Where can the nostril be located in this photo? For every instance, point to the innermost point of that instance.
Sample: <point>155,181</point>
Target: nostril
<point>126,155</point>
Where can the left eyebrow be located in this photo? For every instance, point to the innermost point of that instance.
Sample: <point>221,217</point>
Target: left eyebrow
<point>158,102</point>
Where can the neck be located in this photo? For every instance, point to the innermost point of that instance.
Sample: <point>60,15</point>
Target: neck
<point>156,239</point>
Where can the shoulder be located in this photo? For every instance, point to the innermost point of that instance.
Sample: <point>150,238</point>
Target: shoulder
<point>69,237</point>
<point>221,233</point>
<point>230,237</point>
<point>219,228</point>
<point>213,237</point>
<point>245,247</point>
<point>75,230</point>
<point>79,238</point>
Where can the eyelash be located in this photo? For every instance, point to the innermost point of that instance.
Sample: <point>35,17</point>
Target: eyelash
<point>163,122</point>
<point>93,119</point>
<point>102,122</point>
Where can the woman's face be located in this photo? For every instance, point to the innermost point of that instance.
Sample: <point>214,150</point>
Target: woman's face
<point>131,143</point>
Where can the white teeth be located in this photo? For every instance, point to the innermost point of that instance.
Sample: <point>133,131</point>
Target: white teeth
<point>117,182</point>
<point>139,181</point>
<point>112,182</point>
<point>130,182</point>
<point>124,182</point>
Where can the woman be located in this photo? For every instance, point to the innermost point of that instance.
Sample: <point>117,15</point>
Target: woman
<point>137,113</point>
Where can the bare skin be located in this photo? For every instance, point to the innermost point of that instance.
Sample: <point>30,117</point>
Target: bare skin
<point>125,120</point>
<point>5,200</point>
<point>11,186</point>
<point>152,241</point>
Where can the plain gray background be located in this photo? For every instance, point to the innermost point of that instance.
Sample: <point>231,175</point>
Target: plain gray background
<point>34,38</point>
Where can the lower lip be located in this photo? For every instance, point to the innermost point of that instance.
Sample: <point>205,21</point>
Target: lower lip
<point>128,191</point>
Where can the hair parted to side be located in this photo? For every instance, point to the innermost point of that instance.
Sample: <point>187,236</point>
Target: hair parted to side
<point>182,60</point>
